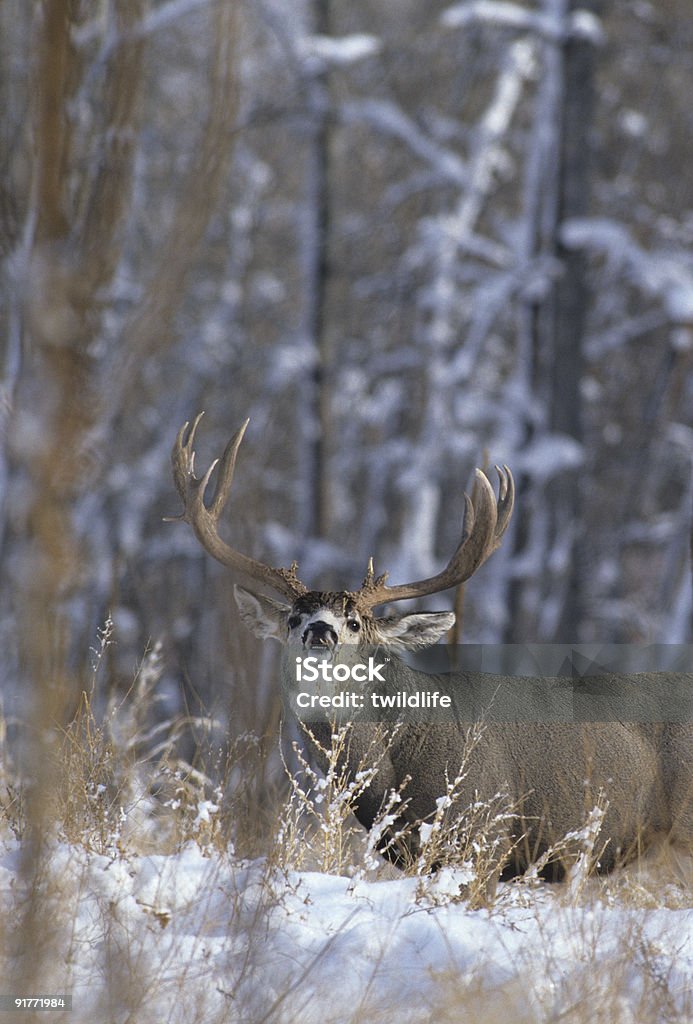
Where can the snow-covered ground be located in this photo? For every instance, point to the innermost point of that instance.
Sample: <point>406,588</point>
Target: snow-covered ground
<point>192,937</point>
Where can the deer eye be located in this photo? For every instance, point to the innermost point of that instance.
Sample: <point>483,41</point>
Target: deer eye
<point>354,625</point>
<point>294,620</point>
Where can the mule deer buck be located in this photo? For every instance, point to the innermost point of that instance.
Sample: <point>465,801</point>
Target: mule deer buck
<point>550,765</point>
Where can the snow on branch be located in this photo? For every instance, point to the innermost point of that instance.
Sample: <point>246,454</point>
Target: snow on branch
<point>322,52</point>
<point>518,68</point>
<point>167,13</point>
<point>549,455</point>
<point>664,275</point>
<point>317,51</point>
<point>580,24</point>
<point>390,119</point>
<point>626,330</point>
<point>154,20</point>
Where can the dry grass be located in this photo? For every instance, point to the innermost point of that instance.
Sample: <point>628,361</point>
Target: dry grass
<point>122,789</point>
<point>318,829</point>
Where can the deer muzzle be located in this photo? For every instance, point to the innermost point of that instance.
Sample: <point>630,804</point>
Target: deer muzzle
<point>320,635</point>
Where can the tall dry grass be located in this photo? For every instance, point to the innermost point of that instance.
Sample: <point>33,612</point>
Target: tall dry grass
<point>122,790</point>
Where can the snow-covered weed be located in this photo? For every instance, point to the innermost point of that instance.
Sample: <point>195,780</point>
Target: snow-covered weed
<point>467,842</point>
<point>463,846</point>
<point>120,782</point>
<point>577,850</point>
<point>106,759</point>
<point>317,827</point>
<point>12,802</point>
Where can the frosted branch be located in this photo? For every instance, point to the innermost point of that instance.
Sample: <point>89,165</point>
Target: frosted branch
<point>493,126</point>
<point>580,24</point>
<point>665,275</point>
<point>391,120</point>
<point>321,52</point>
<point>152,22</point>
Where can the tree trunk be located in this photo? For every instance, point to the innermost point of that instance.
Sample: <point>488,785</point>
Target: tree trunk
<point>569,306</point>
<point>316,416</point>
<point>547,605</point>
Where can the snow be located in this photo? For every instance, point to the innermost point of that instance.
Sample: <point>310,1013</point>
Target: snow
<point>550,455</point>
<point>205,937</point>
<point>388,118</point>
<point>337,51</point>
<point>580,24</point>
<point>665,275</point>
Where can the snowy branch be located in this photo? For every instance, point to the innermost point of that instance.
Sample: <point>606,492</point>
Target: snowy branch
<point>321,52</point>
<point>493,126</point>
<point>580,24</point>
<point>667,276</point>
<point>388,118</point>
<point>152,22</point>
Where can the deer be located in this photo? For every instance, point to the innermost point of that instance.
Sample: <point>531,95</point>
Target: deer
<point>550,764</point>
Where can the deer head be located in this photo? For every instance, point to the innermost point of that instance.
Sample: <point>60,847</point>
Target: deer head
<point>317,619</point>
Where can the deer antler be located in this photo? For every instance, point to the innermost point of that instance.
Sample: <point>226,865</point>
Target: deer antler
<point>204,518</point>
<point>485,521</point>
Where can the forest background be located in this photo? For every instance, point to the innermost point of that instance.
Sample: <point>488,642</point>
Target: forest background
<point>405,239</point>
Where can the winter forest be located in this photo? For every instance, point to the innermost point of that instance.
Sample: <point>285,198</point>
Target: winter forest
<point>406,239</point>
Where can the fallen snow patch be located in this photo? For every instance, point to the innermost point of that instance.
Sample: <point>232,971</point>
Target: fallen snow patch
<point>187,937</point>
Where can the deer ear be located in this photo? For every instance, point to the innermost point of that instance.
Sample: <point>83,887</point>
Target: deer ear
<point>420,629</point>
<point>263,616</point>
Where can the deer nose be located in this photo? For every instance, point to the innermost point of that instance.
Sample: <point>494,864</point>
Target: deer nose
<point>319,634</point>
